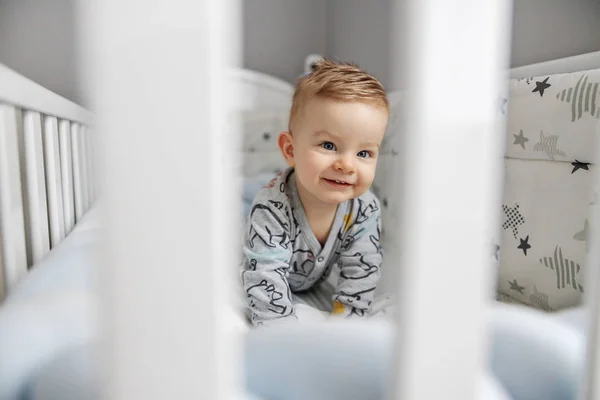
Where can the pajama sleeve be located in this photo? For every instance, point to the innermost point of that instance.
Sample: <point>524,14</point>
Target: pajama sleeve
<point>360,262</point>
<point>267,253</point>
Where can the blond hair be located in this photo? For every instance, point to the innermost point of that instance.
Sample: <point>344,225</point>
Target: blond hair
<point>341,81</point>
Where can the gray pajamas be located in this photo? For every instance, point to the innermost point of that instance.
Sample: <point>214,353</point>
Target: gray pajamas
<point>282,256</point>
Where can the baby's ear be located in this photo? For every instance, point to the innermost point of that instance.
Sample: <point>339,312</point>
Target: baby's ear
<point>287,147</point>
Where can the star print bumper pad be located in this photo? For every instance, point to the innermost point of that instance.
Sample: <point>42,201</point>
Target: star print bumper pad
<point>552,123</point>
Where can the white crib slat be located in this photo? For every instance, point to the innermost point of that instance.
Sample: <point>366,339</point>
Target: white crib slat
<point>33,176</point>
<point>84,167</point>
<point>66,170</point>
<point>451,193</point>
<point>54,181</point>
<point>590,384</point>
<point>13,255</point>
<point>96,164</point>
<point>92,153</point>
<point>78,178</point>
<point>88,167</point>
<point>163,219</point>
<point>83,160</point>
<point>94,160</point>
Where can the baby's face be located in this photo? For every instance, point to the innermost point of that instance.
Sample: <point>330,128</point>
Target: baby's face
<point>336,145</point>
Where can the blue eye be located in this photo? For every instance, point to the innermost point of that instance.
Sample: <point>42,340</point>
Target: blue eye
<point>363,154</point>
<point>328,146</point>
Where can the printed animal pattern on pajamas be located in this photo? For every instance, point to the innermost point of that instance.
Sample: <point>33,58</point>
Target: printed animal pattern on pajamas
<point>282,256</point>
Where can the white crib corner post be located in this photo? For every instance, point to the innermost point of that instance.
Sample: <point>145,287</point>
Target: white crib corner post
<point>451,195</point>
<point>168,168</point>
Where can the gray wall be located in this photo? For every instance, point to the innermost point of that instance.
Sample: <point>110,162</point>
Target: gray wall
<point>37,36</point>
<point>359,31</point>
<point>279,34</point>
<point>542,30</point>
<point>37,39</point>
<point>549,29</point>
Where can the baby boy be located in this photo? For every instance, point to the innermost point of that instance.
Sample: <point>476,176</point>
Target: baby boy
<point>319,213</point>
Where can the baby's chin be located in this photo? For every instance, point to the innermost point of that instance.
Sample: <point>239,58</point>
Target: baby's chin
<point>337,198</point>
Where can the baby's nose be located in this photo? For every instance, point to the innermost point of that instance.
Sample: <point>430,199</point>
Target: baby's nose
<point>344,164</point>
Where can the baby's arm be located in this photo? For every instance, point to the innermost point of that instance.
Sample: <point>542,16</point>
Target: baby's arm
<point>360,262</point>
<point>267,252</point>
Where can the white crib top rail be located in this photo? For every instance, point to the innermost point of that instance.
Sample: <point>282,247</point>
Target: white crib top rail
<point>258,90</point>
<point>19,91</point>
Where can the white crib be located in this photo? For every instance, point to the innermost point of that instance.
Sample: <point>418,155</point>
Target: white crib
<point>163,133</point>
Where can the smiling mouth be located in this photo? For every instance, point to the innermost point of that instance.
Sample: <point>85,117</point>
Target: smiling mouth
<point>337,183</point>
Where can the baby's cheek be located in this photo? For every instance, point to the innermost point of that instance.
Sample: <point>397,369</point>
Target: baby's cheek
<point>368,175</point>
<point>315,166</point>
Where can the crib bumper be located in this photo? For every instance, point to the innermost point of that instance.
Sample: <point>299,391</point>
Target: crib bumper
<point>533,356</point>
<point>536,355</point>
<point>322,363</point>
